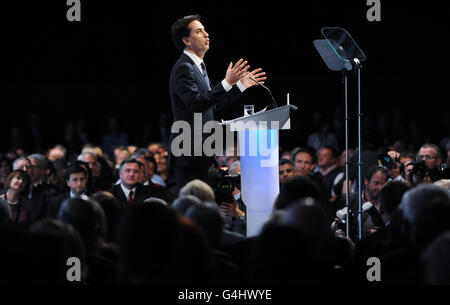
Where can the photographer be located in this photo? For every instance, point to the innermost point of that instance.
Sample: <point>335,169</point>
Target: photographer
<point>374,180</point>
<point>233,207</point>
<point>427,166</point>
<point>391,160</point>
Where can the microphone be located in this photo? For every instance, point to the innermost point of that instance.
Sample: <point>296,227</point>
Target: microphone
<point>370,209</point>
<point>274,104</point>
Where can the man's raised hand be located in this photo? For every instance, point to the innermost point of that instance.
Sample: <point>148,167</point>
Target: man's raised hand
<point>256,74</point>
<point>236,72</point>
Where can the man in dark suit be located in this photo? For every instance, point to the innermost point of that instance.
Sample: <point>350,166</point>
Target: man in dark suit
<point>129,191</point>
<point>192,92</point>
<point>77,179</point>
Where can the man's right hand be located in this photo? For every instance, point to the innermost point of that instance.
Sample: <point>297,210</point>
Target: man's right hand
<point>235,73</point>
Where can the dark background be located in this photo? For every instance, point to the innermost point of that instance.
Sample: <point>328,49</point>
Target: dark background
<point>117,60</point>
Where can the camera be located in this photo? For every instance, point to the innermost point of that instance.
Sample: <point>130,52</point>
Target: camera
<point>420,169</point>
<point>385,160</point>
<point>443,172</point>
<point>224,188</point>
<point>341,217</point>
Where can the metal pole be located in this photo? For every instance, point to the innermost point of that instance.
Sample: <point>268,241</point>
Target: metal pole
<point>359,151</point>
<point>347,217</point>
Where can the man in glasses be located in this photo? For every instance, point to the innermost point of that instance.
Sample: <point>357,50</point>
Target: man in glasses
<point>430,154</point>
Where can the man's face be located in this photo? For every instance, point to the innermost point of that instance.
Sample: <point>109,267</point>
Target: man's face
<point>373,187</point>
<point>129,174</point>
<point>325,158</point>
<point>162,165</point>
<point>77,183</point>
<point>35,170</point>
<point>429,155</point>
<point>93,165</point>
<point>198,39</point>
<point>303,164</point>
<point>407,173</point>
<point>145,170</point>
<point>286,172</point>
<point>24,165</point>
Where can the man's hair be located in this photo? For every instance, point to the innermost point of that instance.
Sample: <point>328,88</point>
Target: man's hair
<point>284,162</point>
<point>298,150</point>
<point>234,165</point>
<point>80,156</point>
<point>426,209</point>
<point>131,160</point>
<point>334,152</point>
<point>391,195</point>
<point>180,29</point>
<point>183,203</point>
<point>42,161</point>
<point>74,169</point>
<point>18,160</point>
<point>151,159</point>
<point>141,152</point>
<point>297,188</point>
<point>374,169</point>
<point>199,189</point>
<point>208,217</point>
<point>434,146</point>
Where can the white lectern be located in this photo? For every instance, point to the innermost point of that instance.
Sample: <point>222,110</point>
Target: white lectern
<point>258,150</point>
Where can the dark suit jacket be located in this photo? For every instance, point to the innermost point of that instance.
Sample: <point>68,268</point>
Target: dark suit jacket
<point>142,192</point>
<point>55,204</point>
<point>189,94</point>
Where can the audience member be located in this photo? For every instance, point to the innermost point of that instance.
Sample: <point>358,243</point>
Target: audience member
<point>15,197</point>
<point>286,170</point>
<point>175,251</point>
<point>435,263</point>
<point>208,217</point>
<point>136,235</point>
<point>328,171</point>
<point>88,218</point>
<point>129,191</point>
<point>76,179</point>
<point>113,213</point>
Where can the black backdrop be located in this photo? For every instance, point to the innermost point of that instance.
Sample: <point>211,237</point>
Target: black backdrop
<point>117,60</point>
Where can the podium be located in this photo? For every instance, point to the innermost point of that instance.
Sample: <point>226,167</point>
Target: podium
<point>259,156</point>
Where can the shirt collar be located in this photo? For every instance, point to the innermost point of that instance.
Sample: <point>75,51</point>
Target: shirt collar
<point>82,196</point>
<point>325,172</point>
<point>197,60</point>
<point>127,191</point>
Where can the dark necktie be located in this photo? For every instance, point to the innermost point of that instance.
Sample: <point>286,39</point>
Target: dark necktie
<point>205,74</point>
<point>130,198</point>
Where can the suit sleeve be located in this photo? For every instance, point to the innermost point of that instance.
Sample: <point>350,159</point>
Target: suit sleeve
<point>188,91</point>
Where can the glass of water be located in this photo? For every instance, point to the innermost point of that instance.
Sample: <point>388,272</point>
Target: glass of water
<point>249,110</point>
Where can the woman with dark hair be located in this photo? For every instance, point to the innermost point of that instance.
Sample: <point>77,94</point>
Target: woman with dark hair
<point>18,185</point>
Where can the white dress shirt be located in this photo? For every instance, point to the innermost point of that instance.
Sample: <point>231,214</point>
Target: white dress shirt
<point>127,191</point>
<point>198,61</point>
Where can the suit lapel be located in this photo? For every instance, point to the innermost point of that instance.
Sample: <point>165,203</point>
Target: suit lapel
<point>200,78</point>
<point>140,193</point>
<point>120,194</point>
